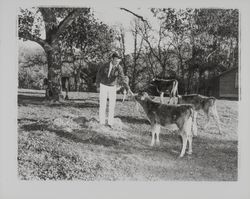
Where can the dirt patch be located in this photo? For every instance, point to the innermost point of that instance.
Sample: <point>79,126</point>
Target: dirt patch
<point>66,124</point>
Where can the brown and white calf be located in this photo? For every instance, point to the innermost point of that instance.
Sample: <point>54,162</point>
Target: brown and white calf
<point>200,102</point>
<point>168,86</point>
<point>121,88</point>
<point>162,115</point>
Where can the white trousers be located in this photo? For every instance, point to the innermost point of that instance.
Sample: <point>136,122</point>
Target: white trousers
<point>105,93</point>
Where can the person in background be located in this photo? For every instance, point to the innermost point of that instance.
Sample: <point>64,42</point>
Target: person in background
<point>106,81</point>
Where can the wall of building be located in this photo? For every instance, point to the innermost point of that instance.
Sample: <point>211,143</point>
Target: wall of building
<point>228,86</point>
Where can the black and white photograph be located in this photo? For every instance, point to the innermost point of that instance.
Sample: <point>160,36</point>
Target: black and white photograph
<point>127,93</point>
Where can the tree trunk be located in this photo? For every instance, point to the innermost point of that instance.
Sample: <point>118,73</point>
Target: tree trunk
<point>188,89</point>
<point>181,67</point>
<point>164,71</point>
<point>199,82</point>
<point>77,81</point>
<point>132,81</point>
<point>54,89</point>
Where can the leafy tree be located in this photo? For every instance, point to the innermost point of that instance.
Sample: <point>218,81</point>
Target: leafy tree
<point>73,37</point>
<point>55,21</point>
<point>202,40</point>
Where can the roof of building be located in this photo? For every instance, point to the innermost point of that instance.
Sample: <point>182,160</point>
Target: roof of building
<point>227,71</point>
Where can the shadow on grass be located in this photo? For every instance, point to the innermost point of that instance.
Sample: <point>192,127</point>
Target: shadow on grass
<point>74,104</point>
<point>207,153</point>
<point>35,127</point>
<point>27,119</point>
<point>84,99</point>
<point>133,120</point>
<point>86,136</point>
<point>40,92</point>
<point>25,100</point>
<point>28,99</point>
<point>82,121</point>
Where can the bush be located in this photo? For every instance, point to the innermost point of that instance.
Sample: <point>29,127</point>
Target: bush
<point>31,77</point>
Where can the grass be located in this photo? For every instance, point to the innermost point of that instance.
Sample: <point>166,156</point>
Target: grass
<point>65,142</point>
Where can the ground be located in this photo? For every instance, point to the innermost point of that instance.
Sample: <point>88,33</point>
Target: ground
<point>65,142</point>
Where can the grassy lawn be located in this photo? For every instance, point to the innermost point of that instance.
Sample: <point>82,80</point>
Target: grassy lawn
<point>65,142</point>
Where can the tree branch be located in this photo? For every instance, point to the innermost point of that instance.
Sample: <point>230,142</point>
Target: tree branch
<point>52,30</point>
<point>139,51</point>
<point>49,21</point>
<point>152,50</point>
<point>138,16</point>
<point>210,55</point>
<point>34,38</point>
<point>66,22</point>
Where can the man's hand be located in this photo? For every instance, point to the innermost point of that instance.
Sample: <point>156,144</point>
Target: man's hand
<point>130,92</point>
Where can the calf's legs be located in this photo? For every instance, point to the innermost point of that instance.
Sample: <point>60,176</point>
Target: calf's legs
<point>185,131</point>
<point>184,145</point>
<point>187,135</point>
<point>190,139</point>
<point>215,115</point>
<point>155,132</point>
<point>194,125</point>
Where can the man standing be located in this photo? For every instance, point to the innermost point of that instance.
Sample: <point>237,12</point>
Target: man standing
<point>106,81</point>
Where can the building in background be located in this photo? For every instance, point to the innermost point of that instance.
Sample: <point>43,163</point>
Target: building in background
<point>226,85</point>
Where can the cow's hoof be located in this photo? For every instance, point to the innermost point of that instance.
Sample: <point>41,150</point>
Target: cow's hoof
<point>181,155</point>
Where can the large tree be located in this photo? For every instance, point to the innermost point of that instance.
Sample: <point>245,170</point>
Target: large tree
<point>54,21</point>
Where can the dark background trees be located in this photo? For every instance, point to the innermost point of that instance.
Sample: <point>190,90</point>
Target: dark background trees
<point>192,45</point>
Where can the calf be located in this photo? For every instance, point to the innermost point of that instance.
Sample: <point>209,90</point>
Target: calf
<point>207,104</point>
<point>162,115</point>
<point>121,88</point>
<point>169,87</point>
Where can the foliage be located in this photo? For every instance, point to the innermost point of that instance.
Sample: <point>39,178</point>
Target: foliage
<point>31,78</point>
<point>201,40</point>
<point>188,44</point>
<point>88,38</point>
<point>32,67</point>
<point>84,40</point>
